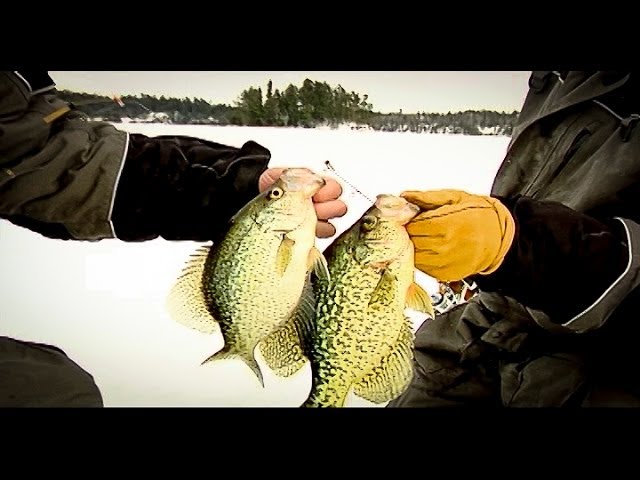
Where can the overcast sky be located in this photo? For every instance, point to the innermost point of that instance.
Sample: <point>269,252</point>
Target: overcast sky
<point>389,91</point>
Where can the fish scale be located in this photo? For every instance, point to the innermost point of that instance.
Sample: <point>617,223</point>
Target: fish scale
<point>363,339</point>
<point>254,282</point>
<point>231,302</point>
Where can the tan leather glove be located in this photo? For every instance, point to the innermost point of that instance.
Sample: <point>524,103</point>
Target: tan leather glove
<point>458,234</point>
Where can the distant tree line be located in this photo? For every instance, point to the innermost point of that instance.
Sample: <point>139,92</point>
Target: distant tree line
<point>311,105</point>
<point>470,122</point>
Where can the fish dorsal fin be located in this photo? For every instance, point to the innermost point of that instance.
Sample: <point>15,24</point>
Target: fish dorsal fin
<point>419,300</point>
<point>186,302</point>
<point>284,255</point>
<point>318,263</point>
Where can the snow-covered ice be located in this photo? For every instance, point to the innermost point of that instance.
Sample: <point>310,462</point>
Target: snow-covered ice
<point>103,302</point>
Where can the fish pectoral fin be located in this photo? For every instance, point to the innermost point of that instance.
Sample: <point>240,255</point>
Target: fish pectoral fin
<point>383,294</point>
<point>226,353</point>
<point>419,300</point>
<point>286,350</point>
<point>380,266</point>
<point>284,255</point>
<point>318,263</point>
<point>186,302</point>
<point>393,374</point>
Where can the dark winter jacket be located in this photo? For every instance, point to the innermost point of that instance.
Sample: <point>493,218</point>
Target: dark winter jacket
<point>557,324</point>
<point>69,178</point>
<point>571,177</point>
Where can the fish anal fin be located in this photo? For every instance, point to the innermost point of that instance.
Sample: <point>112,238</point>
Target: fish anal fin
<point>286,349</point>
<point>394,373</point>
<point>282,351</point>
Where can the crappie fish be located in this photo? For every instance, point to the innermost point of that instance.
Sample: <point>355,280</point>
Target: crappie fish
<point>362,339</point>
<point>250,285</point>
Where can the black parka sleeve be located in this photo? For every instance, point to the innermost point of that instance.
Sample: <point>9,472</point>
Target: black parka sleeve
<point>67,177</point>
<point>573,268</point>
<point>183,188</point>
<point>570,179</point>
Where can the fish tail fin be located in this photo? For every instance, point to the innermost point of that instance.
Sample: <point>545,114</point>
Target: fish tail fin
<point>251,362</point>
<point>248,359</point>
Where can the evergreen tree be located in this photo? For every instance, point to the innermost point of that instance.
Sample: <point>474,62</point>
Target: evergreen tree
<point>313,104</point>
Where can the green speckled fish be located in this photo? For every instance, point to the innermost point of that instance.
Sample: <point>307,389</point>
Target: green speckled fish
<point>362,339</point>
<point>254,284</point>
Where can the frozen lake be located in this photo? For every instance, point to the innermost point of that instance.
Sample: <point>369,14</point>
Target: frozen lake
<point>103,303</point>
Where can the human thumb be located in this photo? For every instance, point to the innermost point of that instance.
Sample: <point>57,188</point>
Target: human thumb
<point>269,177</point>
<point>429,200</point>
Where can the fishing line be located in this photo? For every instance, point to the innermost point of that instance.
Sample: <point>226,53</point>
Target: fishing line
<point>330,167</point>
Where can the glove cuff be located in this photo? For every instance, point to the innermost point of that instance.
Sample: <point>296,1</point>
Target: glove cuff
<point>507,229</point>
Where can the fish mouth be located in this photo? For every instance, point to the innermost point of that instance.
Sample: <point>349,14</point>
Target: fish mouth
<point>386,200</point>
<point>395,208</point>
<point>302,180</point>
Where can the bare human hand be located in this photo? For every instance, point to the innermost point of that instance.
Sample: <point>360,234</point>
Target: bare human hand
<point>327,202</point>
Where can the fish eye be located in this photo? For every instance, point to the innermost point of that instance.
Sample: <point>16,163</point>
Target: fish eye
<point>275,193</point>
<point>368,222</point>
